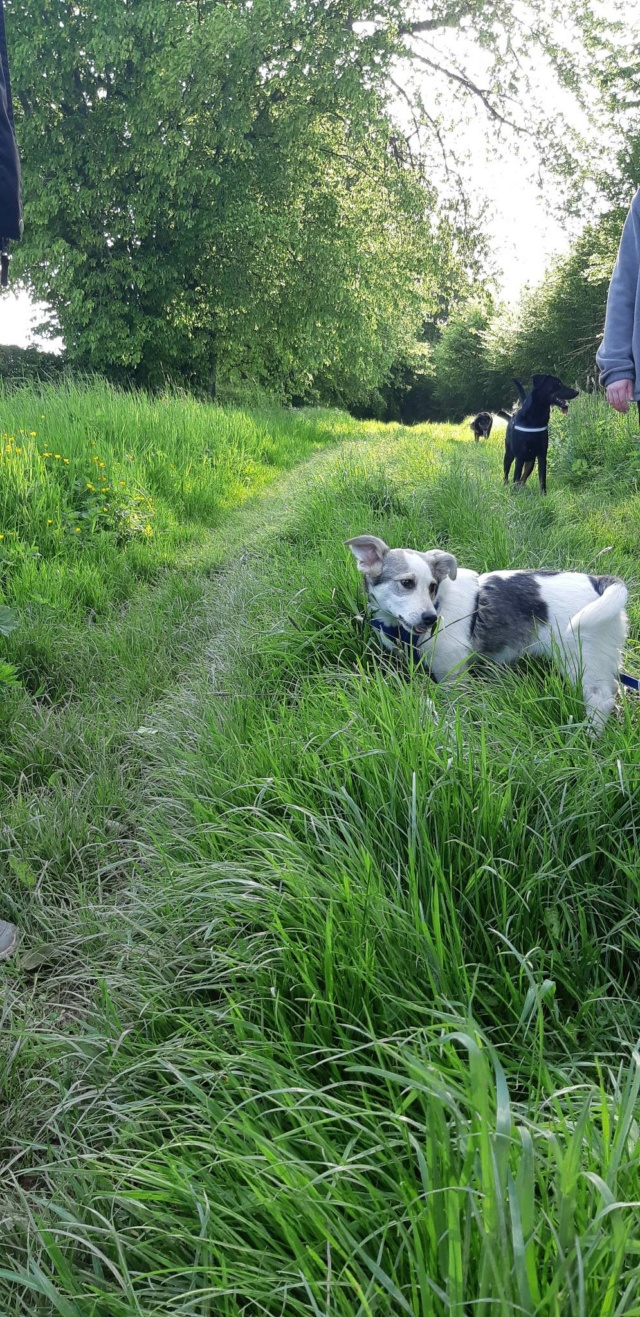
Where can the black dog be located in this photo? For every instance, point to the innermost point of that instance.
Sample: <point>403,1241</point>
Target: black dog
<point>481,425</point>
<point>527,437</point>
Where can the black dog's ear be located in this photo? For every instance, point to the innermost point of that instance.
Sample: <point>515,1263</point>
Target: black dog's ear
<point>441,564</point>
<point>539,380</point>
<point>368,552</point>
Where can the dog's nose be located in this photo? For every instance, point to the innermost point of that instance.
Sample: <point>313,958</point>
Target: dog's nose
<point>428,618</point>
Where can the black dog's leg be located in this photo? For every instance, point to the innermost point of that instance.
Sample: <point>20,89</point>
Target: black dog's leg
<point>508,463</point>
<point>518,471</point>
<point>542,471</point>
<point>526,471</point>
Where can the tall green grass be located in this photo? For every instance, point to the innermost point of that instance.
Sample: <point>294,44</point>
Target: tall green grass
<point>100,488</point>
<point>359,1032</point>
<point>113,509</point>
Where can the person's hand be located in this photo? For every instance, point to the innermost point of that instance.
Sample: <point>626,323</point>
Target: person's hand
<point>620,394</point>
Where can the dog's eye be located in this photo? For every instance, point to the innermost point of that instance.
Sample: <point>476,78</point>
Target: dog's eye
<point>408,582</point>
<point>433,589</point>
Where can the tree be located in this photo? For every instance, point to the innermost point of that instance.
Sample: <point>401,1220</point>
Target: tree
<point>555,327</point>
<point>209,192</point>
<point>462,374</point>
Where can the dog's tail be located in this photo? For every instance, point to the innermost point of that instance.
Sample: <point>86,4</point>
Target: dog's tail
<point>521,389</point>
<point>602,610</point>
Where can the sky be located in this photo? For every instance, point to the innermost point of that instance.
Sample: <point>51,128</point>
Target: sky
<point>524,234</point>
<point>18,315</point>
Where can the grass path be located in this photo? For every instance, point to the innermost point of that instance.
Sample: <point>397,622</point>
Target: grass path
<point>354,1030</point>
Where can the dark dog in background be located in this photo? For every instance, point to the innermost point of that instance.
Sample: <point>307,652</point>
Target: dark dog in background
<point>527,437</point>
<point>481,425</point>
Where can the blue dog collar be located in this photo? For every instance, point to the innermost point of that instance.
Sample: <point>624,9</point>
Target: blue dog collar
<point>401,636</point>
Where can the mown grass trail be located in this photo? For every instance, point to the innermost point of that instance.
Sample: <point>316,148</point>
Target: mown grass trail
<point>355,1032</point>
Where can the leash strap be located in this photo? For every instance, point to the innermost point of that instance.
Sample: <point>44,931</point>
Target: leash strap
<point>633,683</point>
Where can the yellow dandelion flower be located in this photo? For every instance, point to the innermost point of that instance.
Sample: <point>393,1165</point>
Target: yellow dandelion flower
<point>77,530</point>
<point>57,456</point>
<point>45,454</point>
<point>1,537</point>
<point>121,482</point>
<point>105,509</point>
<point>33,434</point>
<point>66,461</point>
<point>101,464</point>
<point>95,459</point>
<point>90,486</point>
<point>18,450</point>
<point>49,521</point>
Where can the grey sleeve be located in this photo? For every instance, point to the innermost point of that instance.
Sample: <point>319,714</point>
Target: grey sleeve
<point>615,355</point>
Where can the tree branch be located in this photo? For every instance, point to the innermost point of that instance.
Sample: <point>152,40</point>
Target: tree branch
<point>466,82</point>
<point>432,24</point>
<point>412,110</point>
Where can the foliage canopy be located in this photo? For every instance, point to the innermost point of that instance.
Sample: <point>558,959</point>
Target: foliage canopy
<point>219,191</point>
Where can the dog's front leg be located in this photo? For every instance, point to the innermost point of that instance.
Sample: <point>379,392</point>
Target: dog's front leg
<point>450,661</point>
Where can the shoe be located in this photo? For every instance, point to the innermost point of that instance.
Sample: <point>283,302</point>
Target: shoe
<point>8,938</point>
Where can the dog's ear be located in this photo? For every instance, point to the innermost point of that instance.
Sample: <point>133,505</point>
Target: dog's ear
<point>368,552</point>
<point>539,380</point>
<point>441,564</point>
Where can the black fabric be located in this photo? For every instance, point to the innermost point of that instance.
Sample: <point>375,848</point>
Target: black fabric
<point>10,198</point>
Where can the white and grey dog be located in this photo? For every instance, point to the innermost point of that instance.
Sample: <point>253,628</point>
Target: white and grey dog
<point>446,614</point>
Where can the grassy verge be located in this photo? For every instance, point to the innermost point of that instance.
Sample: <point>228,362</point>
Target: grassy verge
<point>358,1035</point>
<point>109,504</point>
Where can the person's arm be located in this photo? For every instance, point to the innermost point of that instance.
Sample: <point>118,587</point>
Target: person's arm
<point>10,197</point>
<point>615,354</point>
